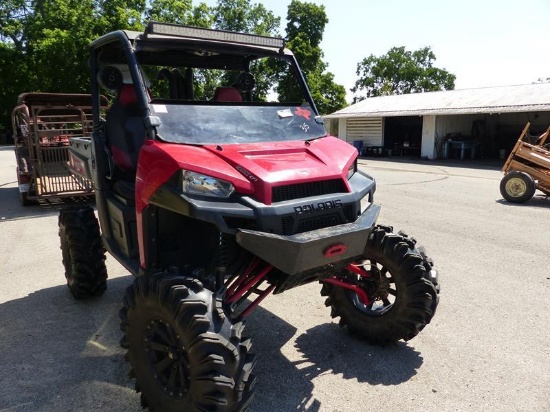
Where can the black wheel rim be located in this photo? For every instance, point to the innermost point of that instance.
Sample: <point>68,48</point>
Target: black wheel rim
<point>381,290</point>
<point>167,358</point>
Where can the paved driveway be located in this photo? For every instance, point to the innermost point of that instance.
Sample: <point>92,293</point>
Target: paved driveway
<point>488,347</point>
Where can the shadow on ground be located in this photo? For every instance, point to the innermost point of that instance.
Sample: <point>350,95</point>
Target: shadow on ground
<point>11,208</point>
<point>59,354</point>
<point>539,200</point>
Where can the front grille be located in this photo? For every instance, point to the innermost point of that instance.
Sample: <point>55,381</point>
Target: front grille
<point>287,224</point>
<point>319,222</point>
<point>349,213</point>
<point>290,225</point>
<point>300,190</point>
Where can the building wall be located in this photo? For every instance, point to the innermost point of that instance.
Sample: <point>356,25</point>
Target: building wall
<point>369,130</point>
<point>496,132</point>
<point>428,146</point>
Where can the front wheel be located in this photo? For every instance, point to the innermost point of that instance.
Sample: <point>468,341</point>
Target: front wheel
<point>186,353</point>
<point>517,187</point>
<point>396,295</point>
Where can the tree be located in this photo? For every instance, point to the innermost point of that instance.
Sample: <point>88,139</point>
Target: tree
<point>305,26</point>
<point>242,16</point>
<point>245,17</point>
<point>44,44</point>
<point>179,12</point>
<point>401,71</point>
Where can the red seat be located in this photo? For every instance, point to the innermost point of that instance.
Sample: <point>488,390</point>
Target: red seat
<point>227,94</point>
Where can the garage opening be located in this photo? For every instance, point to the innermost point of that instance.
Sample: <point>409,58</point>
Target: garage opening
<point>403,135</point>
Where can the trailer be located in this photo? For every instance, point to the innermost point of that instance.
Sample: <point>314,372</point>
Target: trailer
<point>527,168</point>
<point>42,125</point>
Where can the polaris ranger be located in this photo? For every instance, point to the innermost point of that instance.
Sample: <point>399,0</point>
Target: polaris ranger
<point>215,188</point>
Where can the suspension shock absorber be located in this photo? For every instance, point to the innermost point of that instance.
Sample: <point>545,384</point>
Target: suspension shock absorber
<point>240,288</point>
<point>354,287</point>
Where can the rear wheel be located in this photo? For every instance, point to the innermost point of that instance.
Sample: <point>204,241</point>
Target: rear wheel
<point>24,199</point>
<point>401,288</point>
<point>24,196</point>
<point>186,353</point>
<point>517,187</point>
<point>83,252</point>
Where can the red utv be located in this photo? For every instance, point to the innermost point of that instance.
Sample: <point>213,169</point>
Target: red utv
<point>216,190</point>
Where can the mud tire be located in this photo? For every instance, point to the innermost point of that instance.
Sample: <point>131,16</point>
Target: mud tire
<point>517,187</point>
<point>186,353</point>
<point>83,252</point>
<point>414,283</point>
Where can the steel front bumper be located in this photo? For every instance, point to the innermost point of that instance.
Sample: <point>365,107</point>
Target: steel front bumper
<point>298,253</point>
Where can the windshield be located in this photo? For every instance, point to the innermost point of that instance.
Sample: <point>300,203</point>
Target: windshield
<point>218,93</point>
<point>227,124</point>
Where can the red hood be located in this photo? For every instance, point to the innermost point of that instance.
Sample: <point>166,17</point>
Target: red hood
<point>267,165</point>
<point>253,169</point>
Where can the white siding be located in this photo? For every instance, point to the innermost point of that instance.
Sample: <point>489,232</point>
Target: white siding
<point>428,137</point>
<point>367,129</point>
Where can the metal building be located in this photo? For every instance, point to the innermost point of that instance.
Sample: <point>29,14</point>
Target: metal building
<point>468,123</point>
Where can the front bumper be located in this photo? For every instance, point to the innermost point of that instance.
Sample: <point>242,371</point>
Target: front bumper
<point>304,251</point>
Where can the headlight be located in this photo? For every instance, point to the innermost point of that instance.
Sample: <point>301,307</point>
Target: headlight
<point>203,185</point>
<point>352,169</point>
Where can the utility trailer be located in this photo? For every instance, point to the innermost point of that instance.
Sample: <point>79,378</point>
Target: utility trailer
<point>527,168</point>
<point>42,125</point>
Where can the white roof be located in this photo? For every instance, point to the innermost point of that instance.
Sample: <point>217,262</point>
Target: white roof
<point>503,99</point>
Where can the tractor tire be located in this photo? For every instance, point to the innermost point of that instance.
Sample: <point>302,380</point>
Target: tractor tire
<point>185,351</point>
<point>83,252</point>
<point>517,187</point>
<point>404,291</point>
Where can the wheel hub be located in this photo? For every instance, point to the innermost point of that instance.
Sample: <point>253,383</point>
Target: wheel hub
<point>167,357</point>
<point>172,354</point>
<point>382,287</point>
<point>516,187</point>
<point>379,291</point>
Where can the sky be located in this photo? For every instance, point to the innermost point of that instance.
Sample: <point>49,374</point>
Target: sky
<point>483,42</point>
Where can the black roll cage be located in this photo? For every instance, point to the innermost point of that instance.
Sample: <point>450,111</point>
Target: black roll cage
<point>132,44</point>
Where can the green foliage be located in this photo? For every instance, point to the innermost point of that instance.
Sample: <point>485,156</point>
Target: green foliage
<point>242,16</point>
<point>328,95</point>
<point>44,43</point>
<point>170,11</point>
<point>305,27</point>
<point>307,19</point>
<point>400,72</point>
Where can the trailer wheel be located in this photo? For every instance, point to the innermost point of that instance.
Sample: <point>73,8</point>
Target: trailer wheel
<point>25,201</point>
<point>403,291</point>
<point>517,187</point>
<point>83,252</point>
<point>185,351</point>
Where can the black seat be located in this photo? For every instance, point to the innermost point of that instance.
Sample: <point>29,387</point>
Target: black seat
<point>125,129</point>
<point>125,136</point>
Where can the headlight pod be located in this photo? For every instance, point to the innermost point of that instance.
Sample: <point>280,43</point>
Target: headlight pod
<point>352,169</point>
<point>203,185</point>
